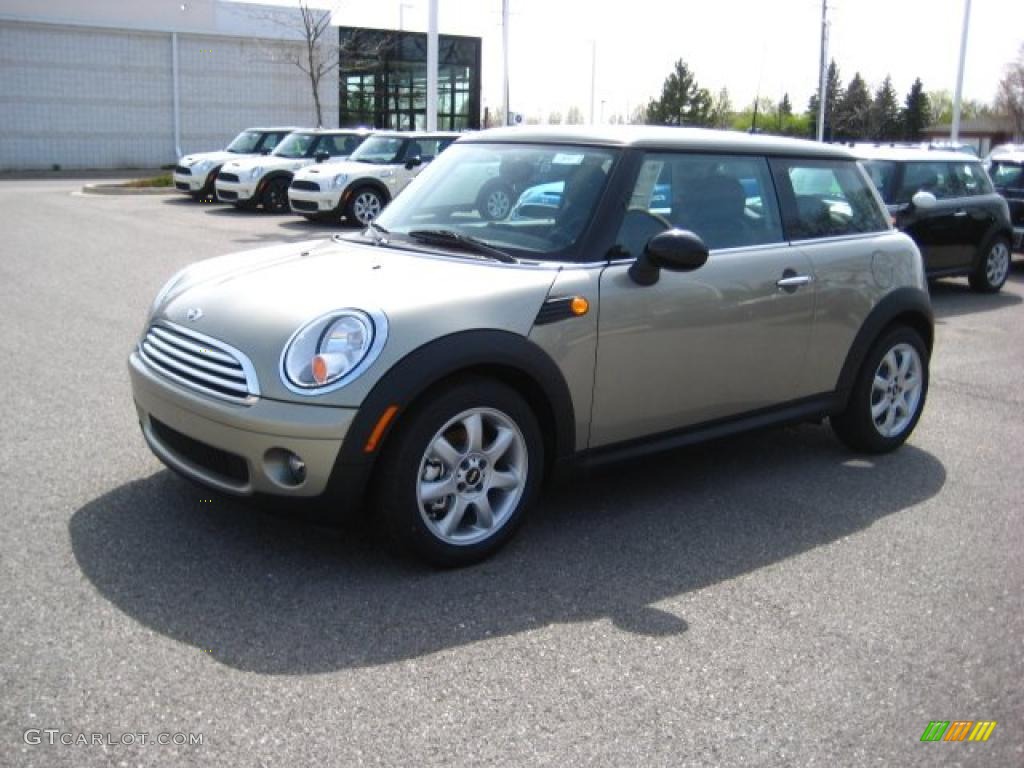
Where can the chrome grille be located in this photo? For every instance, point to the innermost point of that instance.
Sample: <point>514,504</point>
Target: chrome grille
<point>199,362</point>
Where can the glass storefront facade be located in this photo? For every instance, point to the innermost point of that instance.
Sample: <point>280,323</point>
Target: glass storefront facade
<point>383,80</point>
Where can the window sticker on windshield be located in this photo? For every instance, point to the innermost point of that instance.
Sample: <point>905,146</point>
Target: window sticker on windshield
<point>563,158</point>
<point>645,181</point>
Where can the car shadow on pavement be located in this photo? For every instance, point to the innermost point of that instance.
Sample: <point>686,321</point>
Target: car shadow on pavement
<point>266,594</point>
<point>952,298</point>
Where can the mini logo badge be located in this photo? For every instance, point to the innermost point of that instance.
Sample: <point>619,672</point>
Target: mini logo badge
<point>193,314</point>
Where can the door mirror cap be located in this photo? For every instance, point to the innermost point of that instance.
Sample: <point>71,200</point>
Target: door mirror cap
<point>924,200</point>
<point>677,250</point>
<point>412,162</point>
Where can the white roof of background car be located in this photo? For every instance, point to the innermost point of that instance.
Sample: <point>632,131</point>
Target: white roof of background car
<point>907,154</point>
<point>659,137</point>
<point>1015,155</point>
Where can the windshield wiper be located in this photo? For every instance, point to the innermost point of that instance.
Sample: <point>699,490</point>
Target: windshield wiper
<point>452,239</point>
<point>377,232</point>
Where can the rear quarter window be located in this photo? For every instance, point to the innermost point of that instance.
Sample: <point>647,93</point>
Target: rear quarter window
<point>826,198</point>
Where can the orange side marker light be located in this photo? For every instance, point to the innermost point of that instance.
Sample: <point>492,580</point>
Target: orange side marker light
<point>579,306</point>
<point>378,431</point>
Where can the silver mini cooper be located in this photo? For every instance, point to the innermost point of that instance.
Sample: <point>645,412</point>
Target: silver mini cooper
<point>537,297</point>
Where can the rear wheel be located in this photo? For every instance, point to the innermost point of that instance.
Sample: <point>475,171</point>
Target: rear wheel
<point>494,202</point>
<point>275,196</point>
<point>888,395</point>
<point>457,478</point>
<point>993,266</point>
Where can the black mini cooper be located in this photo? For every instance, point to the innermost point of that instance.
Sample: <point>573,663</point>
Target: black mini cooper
<point>946,202</point>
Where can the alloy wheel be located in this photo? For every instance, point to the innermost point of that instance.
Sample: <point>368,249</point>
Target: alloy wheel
<point>896,390</point>
<point>997,264</point>
<point>366,207</point>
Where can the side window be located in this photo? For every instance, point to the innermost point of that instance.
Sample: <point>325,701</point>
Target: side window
<point>428,149</point>
<point>881,173</point>
<point>969,179</point>
<point>830,198</point>
<point>931,177</point>
<point>728,200</point>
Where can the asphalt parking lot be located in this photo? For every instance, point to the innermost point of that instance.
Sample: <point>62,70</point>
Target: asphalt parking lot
<point>767,600</point>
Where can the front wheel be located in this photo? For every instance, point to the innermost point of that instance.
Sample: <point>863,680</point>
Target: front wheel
<point>494,202</point>
<point>458,476</point>
<point>888,394</point>
<point>993,266</point>
<point>364,206</point>
<point>275,196</point>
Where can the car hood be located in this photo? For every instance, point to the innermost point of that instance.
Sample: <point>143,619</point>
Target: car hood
<point>334,167</point>
<point>220,156</point>
<point>267,163</point>
<point>256,300</point>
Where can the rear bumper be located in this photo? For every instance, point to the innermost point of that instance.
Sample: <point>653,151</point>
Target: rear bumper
<point>239,449</point>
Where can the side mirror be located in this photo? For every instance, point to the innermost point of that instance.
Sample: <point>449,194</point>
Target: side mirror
<point>266,151</point>
<point>677,250</point>
<point>321,156</point>
<point>412,162</point>
<point>923,200</point>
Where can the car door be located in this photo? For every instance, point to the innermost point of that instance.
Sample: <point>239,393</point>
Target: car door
<point>727,338</point>
<point>939,229</point>
<point>977,207</point>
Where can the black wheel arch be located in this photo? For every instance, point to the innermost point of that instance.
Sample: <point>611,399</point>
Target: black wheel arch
<point>502,355</point>
<point>375,184</point>
<point>903,306</point>
<point>272,177</point>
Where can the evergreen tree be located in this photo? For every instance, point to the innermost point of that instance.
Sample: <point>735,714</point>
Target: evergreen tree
<point>721,110</point>
<point>853,111</point>
<point>916,113</point>
<point>682,102</point>
<point>575,116</point>
<point>834,88</point>
<point>784,111</point>
<point>885,113</point>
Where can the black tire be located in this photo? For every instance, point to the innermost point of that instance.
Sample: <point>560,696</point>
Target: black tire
<point>247,205</point>
<point>275,196</point>
<point>407,458</point>
<point>364,205</point>
<point>495,200</point>
<point>993,266</point>
<point>856,426</point>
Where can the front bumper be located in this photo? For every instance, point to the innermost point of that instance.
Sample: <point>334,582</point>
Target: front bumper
<point>189,183</point>
<point>308,201</point>
<point>238,449</point>
<point>235,191</point>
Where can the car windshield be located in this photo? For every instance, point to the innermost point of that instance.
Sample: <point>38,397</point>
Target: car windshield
<point>245,143</point>
<point>881,172</point>
<point>532,201</point>
<point>295,145</point>
<point>378,149</point>
<point>1007,174</point>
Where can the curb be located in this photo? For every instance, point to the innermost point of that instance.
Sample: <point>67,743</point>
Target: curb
<point>120,189</point>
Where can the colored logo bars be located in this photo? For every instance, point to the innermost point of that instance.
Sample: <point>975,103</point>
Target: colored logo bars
<point>944,730</point>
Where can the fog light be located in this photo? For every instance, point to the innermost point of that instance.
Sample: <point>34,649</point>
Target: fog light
<point>297,467</point>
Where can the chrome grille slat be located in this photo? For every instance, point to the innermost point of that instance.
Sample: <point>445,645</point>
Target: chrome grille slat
<point>195,349</point>
<point>199,362</point>
<point>177,358</point>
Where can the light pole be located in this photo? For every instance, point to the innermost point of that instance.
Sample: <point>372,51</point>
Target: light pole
<point>504,61</point>
<point>954,134</point>
<point>432,66</point>
<point>823,71</point>
<point>401,15</point>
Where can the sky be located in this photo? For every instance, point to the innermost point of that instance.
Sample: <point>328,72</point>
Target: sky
<point>750,47</point>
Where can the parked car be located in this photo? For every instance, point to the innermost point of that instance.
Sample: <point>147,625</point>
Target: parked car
<point>256,181</point>
<point>945,201</point>
<point>433,368</point>
<point>359,187</point>
<point>1006,168</point>
<point>196,173</point>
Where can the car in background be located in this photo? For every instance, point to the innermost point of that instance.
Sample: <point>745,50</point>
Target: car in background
<point>263,181</point>
<point>196,173</point>
<point>946,202</point>
<point>359,187</point>
<point>1006,169</point>
<point>432,368</point>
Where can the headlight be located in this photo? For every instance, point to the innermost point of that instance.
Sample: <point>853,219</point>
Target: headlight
<point>339,180</point>
<point>332,350</point>
<point>202,166</point>
<point>256,171</point>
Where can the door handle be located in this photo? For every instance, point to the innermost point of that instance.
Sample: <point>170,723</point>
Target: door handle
<point>794,281</point>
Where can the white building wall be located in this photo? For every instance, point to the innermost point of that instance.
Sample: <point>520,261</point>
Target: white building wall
<point>90,96</point>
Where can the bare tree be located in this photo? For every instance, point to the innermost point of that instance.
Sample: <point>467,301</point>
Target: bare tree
<point>1010,94</point>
